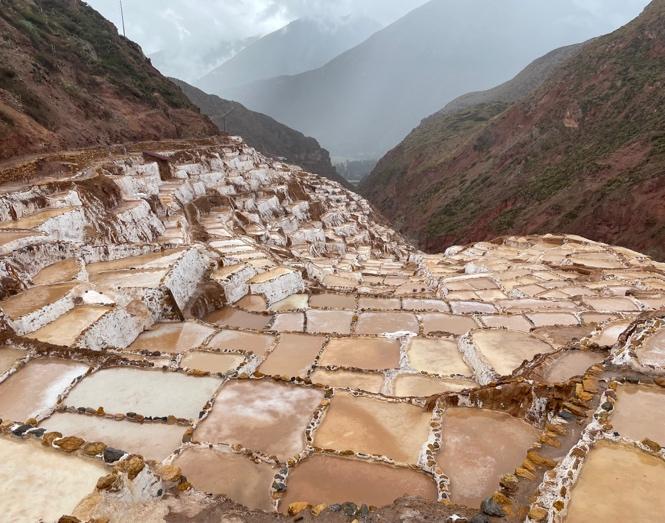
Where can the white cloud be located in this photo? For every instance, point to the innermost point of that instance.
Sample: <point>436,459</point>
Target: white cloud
<point>189,31</point>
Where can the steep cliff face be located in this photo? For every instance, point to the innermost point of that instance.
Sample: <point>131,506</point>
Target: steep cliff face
<point>263,133</point>
<point>67,79</point>
<point>584,152</point>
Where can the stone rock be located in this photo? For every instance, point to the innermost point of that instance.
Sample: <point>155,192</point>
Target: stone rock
<point>550,440</point>
<point>537,513</point>
<point>50,437</point>
<point>69,519</point>
<point>297,507</point>
<point>540,460</point>
<point>112,455</point>
<point>659,381</point>
<point>576,410</point>
<point>21,429</point>
<point>510,482</point>
<point>524,473</point>
<point>582,394</point>
<point>490,507</point>
<point>169,472</point>
<point>651,445</point>
<point>590,384</point>
<point>133,465</point>
<point>350,509</point>
<point>69,444</point>
<point>111,482</point>
<point>557,429</point>
<point>480,518</point>
<point>94,449</point>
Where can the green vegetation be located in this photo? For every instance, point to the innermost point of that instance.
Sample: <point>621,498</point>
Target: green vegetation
<point>506,220</point>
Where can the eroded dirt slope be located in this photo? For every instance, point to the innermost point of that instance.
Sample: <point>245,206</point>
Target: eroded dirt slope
<point>67,79</point>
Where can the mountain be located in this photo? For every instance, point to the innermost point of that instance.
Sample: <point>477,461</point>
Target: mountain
<point>440,134</point>
<point>583,153</point>
<point>302,45</point>
<point>366,100</point>
<point>263,133</point>
<point>189,61</point>
<point>67,79</point>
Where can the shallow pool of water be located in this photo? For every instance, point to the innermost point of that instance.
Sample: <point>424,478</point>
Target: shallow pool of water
<point>34,299</point>
<point>362,353</point>
<point>420,386</point>
<point>261,415</point>
<point>639,412</point>
<point>331,479</point>
<point>239,319</point>
<point>293,355</point>
<point>436,356</point>
<point>41,484</point>
<point>233,475</point>
<point>333,301</point>
<point>507,350</point>
<point>618,484</point>
<point>212,361</point>
<point>369,382</point>
<point>652,351</point>
<point>373,426</point>
<point>259,344</point>
<point>289,322</point>
<point>479,446</point>
<point>329,322</point>
<point>571,364</point>
<point>67,328</point>
<point>146,392</point>
<point>34,389</point>
<point>9,356</point>
<point>61,271</point>
<point>382,322</point>
<point>447,323</point>
<point>172,337</point>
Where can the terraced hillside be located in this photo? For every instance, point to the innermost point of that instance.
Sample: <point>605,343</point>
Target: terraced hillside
<point>583,153</point>
<point>67,79</point>
<point>192,331</point>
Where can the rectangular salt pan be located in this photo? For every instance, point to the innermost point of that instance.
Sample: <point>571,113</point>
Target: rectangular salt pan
<point>361,424</point>
<point>41,484</point>
<point>34,389</point>
<point>150,440</point>
<point>149,393</point>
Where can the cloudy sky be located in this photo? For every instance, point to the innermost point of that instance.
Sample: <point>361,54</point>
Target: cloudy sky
<point>188,30</point>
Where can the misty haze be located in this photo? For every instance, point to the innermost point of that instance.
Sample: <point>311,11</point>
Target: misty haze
<point>352,261</point>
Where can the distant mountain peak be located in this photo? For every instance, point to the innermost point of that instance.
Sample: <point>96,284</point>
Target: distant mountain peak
<point>303,44</point>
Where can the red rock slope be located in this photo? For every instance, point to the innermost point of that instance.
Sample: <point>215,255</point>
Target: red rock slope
<point>67,79</point>
<point>583,153</point>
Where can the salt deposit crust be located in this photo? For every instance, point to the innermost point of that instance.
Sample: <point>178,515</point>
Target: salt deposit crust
<point>225,308</point>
